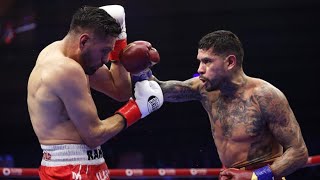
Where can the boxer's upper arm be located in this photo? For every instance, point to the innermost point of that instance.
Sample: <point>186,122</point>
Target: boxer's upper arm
<point>283,125</point>
<point>116,85</point>
<point>71,87</point>
<point>280,117</point>
<point>102,81</point>
<point>181,91</point>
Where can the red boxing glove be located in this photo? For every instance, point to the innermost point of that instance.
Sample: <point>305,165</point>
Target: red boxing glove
<point>139,56</point>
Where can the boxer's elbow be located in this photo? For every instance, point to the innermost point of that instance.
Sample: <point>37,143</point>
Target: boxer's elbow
<point>304,155</point>
<point>93,137</point>
<point>96,141</point>
<point>106,130</point>
<point>92,144</point>
<point>300,155</point>
<point>92,141</point>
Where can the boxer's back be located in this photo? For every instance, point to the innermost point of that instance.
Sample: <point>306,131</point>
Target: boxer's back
<point>48,115</point>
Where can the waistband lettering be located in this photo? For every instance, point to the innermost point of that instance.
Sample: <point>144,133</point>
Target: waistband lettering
<point>94,154</point>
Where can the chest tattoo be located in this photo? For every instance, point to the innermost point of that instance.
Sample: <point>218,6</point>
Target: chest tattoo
<point>238,112</point>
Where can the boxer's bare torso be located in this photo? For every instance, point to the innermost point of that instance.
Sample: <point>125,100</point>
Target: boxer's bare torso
<point>47,112</point>
<point>239,123</point>
<point>239,128</point>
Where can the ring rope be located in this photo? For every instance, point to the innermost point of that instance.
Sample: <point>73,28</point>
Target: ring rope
<point>151,173</point>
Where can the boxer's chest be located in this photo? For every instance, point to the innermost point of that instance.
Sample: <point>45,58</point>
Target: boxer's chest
<point>237,118</point>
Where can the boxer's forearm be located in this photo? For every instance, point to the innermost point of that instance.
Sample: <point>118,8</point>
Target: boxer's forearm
<point>178,91</point>
<point>291,160</point>
<point>121,80</point>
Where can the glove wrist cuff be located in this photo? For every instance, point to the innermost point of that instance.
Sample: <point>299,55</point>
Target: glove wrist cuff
<point>143,75</point>
<point>130,112</point>
<point>118,46</point>
<point>264,173</point>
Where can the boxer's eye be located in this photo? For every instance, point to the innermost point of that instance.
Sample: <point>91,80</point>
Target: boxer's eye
<point>205,61</point>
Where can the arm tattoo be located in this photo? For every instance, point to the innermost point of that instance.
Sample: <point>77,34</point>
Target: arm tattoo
<point>273,106</point>
<point>285,128</point>
<point>179,91</point>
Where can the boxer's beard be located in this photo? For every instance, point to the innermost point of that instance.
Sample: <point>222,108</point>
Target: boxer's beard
<point>213,85</point>
<point>87,58</point>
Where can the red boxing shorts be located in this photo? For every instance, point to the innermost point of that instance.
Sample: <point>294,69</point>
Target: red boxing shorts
<point>72,161</point>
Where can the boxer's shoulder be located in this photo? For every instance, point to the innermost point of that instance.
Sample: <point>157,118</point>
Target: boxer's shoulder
<point>262,88</point>
<point>57,70</point>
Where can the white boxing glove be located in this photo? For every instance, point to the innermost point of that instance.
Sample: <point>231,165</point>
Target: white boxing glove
<point>118,13</point>
<point>148,98</point>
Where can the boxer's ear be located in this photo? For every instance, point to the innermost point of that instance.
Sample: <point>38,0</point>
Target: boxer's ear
<point>83,40</point>
<point>230,61</point>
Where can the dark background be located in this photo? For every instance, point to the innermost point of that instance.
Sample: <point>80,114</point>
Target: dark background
<point>281,41</point>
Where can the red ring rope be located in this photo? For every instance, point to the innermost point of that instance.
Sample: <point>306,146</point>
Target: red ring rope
<point>116,173</point>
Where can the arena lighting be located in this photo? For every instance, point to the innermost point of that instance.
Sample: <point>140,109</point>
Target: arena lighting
<point>10,31</point>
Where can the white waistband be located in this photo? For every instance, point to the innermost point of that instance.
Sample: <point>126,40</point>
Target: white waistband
<point>71,154</point>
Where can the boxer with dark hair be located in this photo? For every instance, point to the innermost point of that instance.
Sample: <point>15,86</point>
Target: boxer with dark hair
<point>62,111</point>
<point>254,129</point>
